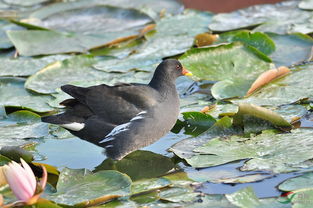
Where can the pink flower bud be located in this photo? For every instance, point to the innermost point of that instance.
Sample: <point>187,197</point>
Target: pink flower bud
<point>21,180</point>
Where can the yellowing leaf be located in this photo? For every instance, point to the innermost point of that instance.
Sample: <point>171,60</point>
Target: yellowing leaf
<point>267,77</point>
<point>205,39</point>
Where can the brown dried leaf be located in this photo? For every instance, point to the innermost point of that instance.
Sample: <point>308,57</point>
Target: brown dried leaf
<point>267,77</point>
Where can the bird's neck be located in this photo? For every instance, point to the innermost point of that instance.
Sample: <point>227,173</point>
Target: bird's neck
<point>161,82</point>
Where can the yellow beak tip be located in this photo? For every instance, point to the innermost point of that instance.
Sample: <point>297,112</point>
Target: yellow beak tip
<point>188,74</point>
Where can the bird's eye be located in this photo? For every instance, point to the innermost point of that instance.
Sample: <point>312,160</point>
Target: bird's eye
<point>177,67</point>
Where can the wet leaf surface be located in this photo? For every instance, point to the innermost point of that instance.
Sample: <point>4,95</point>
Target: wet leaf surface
<point>289,89</point>
<point>21,125</point>
<point>291,48</point>
<point>164,42</point>
<point>233,65</point>
<point>258,40</point>
<point>76,186</point>
<point>279,18</point>
<point>25,66</point>
<point>139,165</point>
<point>22,98</point>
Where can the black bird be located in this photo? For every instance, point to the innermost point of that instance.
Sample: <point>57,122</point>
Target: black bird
<point>124,117</point>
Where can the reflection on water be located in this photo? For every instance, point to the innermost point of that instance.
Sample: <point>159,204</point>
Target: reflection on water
<point>264,188</point>
<point>72,153</point>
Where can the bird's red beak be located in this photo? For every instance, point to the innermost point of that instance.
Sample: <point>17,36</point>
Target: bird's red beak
<point>185,72</point>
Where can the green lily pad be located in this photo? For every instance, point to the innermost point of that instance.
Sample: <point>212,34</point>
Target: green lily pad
<point>220,110</point>
<point>21,125</point>
<point>81,186</point>
<point>301,198</point>
<point>38,42</point>
<point>63,72</point>
<point>70,71</point>
<point>233,65</point>
<point>149,185</point>
<point>166,41</point>
<point>279,18</point>
<point>24,3</point>
<point>22,98</point>
<point>293,87</point>
<point>213,201</point>
<point>195,123</point>
<point>244,198</point>
<point>179,194</point>
<point>90,19</point>
<point>149,7</point>
<point>268,151</point>
<point>5,43</point>
<point>259,40</point>
<point>140,165</point>
<point>244,179</point>
<point>184,149</point>
<point>291,112</point>
<point>300,182</point>
<point>291,48</point>
<point>306,4</point>
<point>26,66</point>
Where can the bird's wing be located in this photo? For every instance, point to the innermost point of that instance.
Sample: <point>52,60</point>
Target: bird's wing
<point>117,104</point>
<point>129,136</point>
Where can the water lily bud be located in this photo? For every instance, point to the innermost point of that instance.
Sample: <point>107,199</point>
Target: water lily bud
<point>21,180</point>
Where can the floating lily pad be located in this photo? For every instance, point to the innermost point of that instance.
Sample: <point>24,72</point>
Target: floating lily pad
<point>21,125</point>
<point>149,7</point>
<point>165,42</point>
<point>13,94</point>
<point>291,48</point>
<point>140,164</point>
<point>244,179</point>
<point>269,151</point>
<point>259,40</point>
<point>234,65</point>
<point>179,194</point>
<point>82,186</point>
<point>300,182</point>
<point>306,4</point>
<point>278,18</point>
<point>184,149</point>
<point>26,66</point>
<point>24,3</point>
<point>212,201</point>
<point>90,19</point>
<point>292,88</point>
<point>77,70</point>
<point>38,42</point>
<point>196,123</point>
<point>149,185</point>
<point>244,198</point>
<point>5,43</point>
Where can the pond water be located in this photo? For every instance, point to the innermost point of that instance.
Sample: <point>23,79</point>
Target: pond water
<point>76,153</point>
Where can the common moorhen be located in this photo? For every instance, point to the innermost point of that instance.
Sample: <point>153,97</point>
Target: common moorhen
<point>124,117</point>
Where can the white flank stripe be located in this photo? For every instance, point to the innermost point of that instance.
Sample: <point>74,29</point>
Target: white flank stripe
<point>123,127</point>
<point>74,126</point>
<point>118,129</point>
<point>139,116</point>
